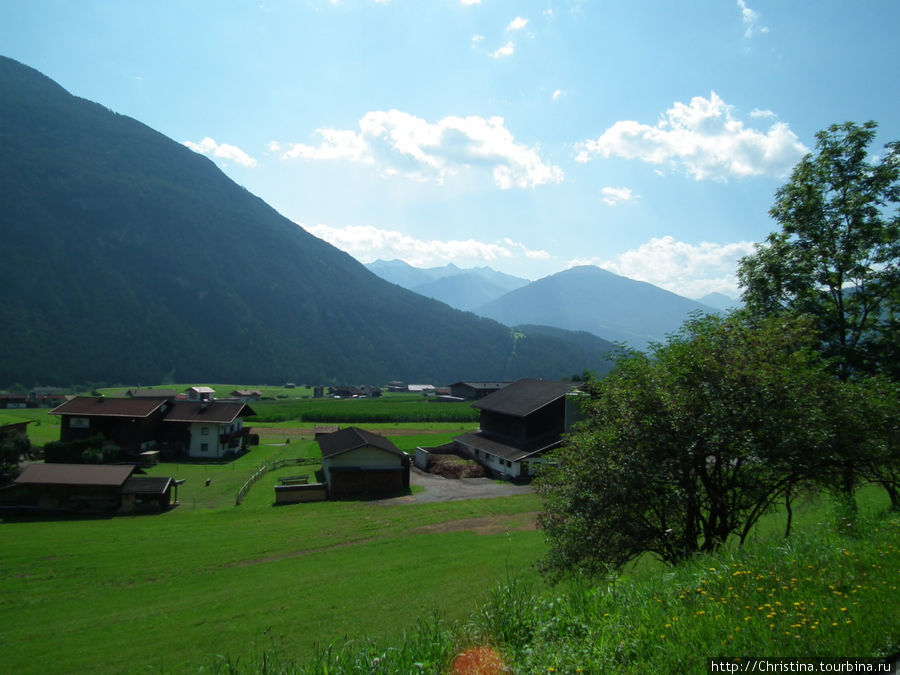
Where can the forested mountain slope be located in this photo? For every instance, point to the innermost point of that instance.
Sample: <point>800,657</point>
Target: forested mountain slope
<point>129,258</point>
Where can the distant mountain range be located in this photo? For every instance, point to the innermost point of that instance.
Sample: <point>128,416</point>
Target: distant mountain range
<point>128,258</point>
<point>463,289</point>
<point>584,298</point>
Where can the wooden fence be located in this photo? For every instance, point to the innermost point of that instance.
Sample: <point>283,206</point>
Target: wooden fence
<point>261,471</point>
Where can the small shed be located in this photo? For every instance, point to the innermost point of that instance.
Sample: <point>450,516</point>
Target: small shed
<point>358,462</point>
<point>91,488</point>
<point>76,487</point>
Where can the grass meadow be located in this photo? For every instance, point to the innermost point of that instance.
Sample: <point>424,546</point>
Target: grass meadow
<point>172,592</point>
<point>401,587</point>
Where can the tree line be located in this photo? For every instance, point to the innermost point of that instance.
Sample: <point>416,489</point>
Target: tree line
<point>688,445</point>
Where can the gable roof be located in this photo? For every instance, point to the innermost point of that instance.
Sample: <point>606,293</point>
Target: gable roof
<point>75,474</point>
<point>92,406</point>
<point>523,397</point>
<point>352,438</point>
<point>214,412</point>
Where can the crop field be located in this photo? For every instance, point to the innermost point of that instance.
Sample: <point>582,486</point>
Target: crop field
<point>170,592</point>
<point>409,408</point>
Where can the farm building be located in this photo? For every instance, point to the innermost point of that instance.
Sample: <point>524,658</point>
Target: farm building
<point>246,395</point>
<point>90,488</point>
<point>518,424</point>
<point>133,424</point>
<point>358,462</point>
<point>12,401</point>
<point>203,429</point>
<point>475,390</point>
<point>200,394</point>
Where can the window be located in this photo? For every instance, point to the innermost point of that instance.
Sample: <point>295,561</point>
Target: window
<point>204,447</point>
<point>79,423</point>
<point>204,431</point>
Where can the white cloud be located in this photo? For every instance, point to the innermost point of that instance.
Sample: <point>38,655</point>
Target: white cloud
<point>471,2</point>
<point>229,153</point>
<point>517,24</point>
<point>335,144</point>
<point>367,243</point>
<point>558,94</point>
<point>613,196</point>
<point>477,40</point>
<point>750,19</point>
<point>506,50</point>
<point>405,145</point>
<point>705,138</point>
<point>687,269</point>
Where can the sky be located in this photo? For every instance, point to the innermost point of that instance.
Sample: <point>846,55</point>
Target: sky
<point>647,138</point>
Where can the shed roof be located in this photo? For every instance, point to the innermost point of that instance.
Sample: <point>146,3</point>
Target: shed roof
<point>75,474</point>
<point>513,453</point>
<point>146,485</point>
<point>352,438</point>
<point>523,397</point>
<point>214,412</point>
<point>493,384</point>
<point>92,406</point>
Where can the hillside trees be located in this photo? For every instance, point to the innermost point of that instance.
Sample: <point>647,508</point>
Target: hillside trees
<point>837,255</point>
<point>689,445</point>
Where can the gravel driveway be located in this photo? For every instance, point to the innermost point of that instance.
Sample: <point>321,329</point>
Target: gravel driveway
<point>440,489</point>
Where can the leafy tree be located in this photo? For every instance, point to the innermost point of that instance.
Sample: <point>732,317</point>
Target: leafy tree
<point>836,256</point>
<point>688,446</point>
<point>869,426</point>
<point>13,447</point>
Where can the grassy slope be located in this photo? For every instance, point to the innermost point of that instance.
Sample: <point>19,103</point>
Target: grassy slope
<point>210,578</point>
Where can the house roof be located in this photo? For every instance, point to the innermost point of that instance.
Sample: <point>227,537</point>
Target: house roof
<point>477,439</point>
<point>523,397</point>
<point>202,390</point>
<point>75,474</point>
<point>12,424</point>
<point>352,438</point>
<point>146,485</point>
<point>214,412</point>
<point>109,407</point>
<point>481,385</point>
<point>246,392</point>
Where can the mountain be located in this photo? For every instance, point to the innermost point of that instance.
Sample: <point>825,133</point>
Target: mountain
<point>590,299</point>
<point>460,288</point>
<point>129,258</point>
<point>405,275</point>
<point>720,301</point>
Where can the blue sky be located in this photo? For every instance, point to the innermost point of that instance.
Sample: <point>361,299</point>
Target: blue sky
<point>644,137</point>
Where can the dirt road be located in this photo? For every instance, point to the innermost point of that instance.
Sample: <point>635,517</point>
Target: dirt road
<point>440,489</point>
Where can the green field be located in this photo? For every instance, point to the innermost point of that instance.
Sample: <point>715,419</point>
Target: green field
<point>385,586</point>
<point>172,591</point>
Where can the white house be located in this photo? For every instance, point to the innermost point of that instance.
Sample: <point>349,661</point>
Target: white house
<point>208,429</point>
<point>200,394</point>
